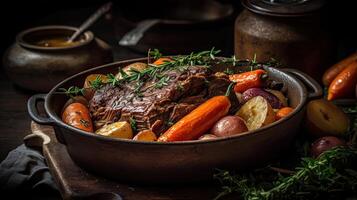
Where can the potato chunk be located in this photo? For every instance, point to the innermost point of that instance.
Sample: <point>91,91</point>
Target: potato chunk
<point>257,112</point>
<point>117,130</point>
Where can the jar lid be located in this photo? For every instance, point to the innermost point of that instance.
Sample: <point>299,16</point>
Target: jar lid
<point>284,8</point>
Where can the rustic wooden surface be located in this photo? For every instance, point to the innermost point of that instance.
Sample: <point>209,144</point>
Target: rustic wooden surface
<point>75,183</point>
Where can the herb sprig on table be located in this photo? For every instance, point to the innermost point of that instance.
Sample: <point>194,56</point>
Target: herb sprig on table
<point>330,174</point>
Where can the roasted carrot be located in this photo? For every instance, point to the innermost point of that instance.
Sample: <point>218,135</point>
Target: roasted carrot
<point>161,61</point>
<point>77,115</point>
<point>331,73</point>
<point>247,80</point>
<point>199,121</point>
<point>283,112</point>
<point>344,84</point>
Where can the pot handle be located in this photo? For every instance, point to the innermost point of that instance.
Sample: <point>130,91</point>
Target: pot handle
<point>308,81</point>
<point>33,112</point>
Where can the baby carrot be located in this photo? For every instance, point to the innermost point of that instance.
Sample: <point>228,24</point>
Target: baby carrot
<point>247,80</point>
<point>344,84</point>
<point>199,121</point>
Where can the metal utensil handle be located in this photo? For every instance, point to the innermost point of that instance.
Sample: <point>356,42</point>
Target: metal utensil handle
<point>132,37</point>
<point>33,112</point>
<point>93,18</point>
<point>310,82</point>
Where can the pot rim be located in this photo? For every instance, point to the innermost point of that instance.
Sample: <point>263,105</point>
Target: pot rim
<point>89,37</point>
<point>61,124</point>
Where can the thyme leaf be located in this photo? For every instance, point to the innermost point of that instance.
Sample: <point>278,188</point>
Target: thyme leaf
<point>332,172</point>
<point>97,83</point>
<point>72,91</point>
<point>133,124</point>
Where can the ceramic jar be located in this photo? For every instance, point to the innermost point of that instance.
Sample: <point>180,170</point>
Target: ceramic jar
<point>39,68</point>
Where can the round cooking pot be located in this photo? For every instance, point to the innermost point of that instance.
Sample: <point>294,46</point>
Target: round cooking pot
<point>149,162</point>
<point>39,68</point>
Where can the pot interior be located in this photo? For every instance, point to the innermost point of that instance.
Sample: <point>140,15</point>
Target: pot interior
<point>295,91</point>
<point>52,37</point>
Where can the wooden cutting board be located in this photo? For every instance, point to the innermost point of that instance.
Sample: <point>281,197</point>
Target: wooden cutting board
<point>75,183</point>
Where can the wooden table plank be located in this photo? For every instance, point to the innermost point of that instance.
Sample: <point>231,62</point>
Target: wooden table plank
<point>75,183</point>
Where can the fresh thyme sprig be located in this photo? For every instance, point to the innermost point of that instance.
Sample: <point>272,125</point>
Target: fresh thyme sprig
<point>113,80</point>
<point>97,83</point>
<point>133,124</point>
<point>72,91</point>
<point>329,174</point>
<point>155,54</point>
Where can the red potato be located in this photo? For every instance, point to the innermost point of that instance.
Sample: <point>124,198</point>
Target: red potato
<point>253,92</point>
<point>229,125</point>
<point>325,143</point>
<point>208,137</point>
<point>280,96</point>
<point>257,112</point>
<point>323,118</point>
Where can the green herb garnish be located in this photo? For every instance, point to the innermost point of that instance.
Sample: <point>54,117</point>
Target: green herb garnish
<point>133,124</point>
<point>113,80</point>
<point>72,91</point>
<point>229,89</point>
<point>97,83</point>
<point>330,174</point>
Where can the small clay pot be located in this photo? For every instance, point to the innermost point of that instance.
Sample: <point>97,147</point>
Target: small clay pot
<point>39,68</point>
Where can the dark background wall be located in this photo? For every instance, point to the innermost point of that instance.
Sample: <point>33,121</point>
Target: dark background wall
<point>17,15</point>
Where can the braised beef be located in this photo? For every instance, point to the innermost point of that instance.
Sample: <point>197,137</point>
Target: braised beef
<point>157,108</point>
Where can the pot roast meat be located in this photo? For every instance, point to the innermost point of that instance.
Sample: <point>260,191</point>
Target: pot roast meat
<point>158,108</point>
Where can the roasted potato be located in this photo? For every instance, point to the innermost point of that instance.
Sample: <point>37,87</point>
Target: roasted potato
<point>323,118</point>
<point>325,143</point>
<point>257,112</point>
<point>253,92</point>
<point>207,137</point>
<point>229,125</point>
<point>116,130</point>
<point>145,135</point>
<point>280,96</point>
<point>139,66</point>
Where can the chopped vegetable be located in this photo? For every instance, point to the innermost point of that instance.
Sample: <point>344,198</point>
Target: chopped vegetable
<point>95,81</point>
<point>280,96</point>
<point>337,68</point>
<point>161,61</point>
<point>324,118</point>
<point>257,112</point>
<point>228,126</point>
<point>145,135</point>
<point>207,137</point>
<point>117,130</point>
<point>344,84</point>
<point>128,70</point>
<point>283,112</point>
<point>77,115</point>
<point>199,121</point>
<point>325,143</point>
<point>253,92</point>
<point>248,80</point>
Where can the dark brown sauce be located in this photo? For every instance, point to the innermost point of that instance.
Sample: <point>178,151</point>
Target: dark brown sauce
<point>56,41</point>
